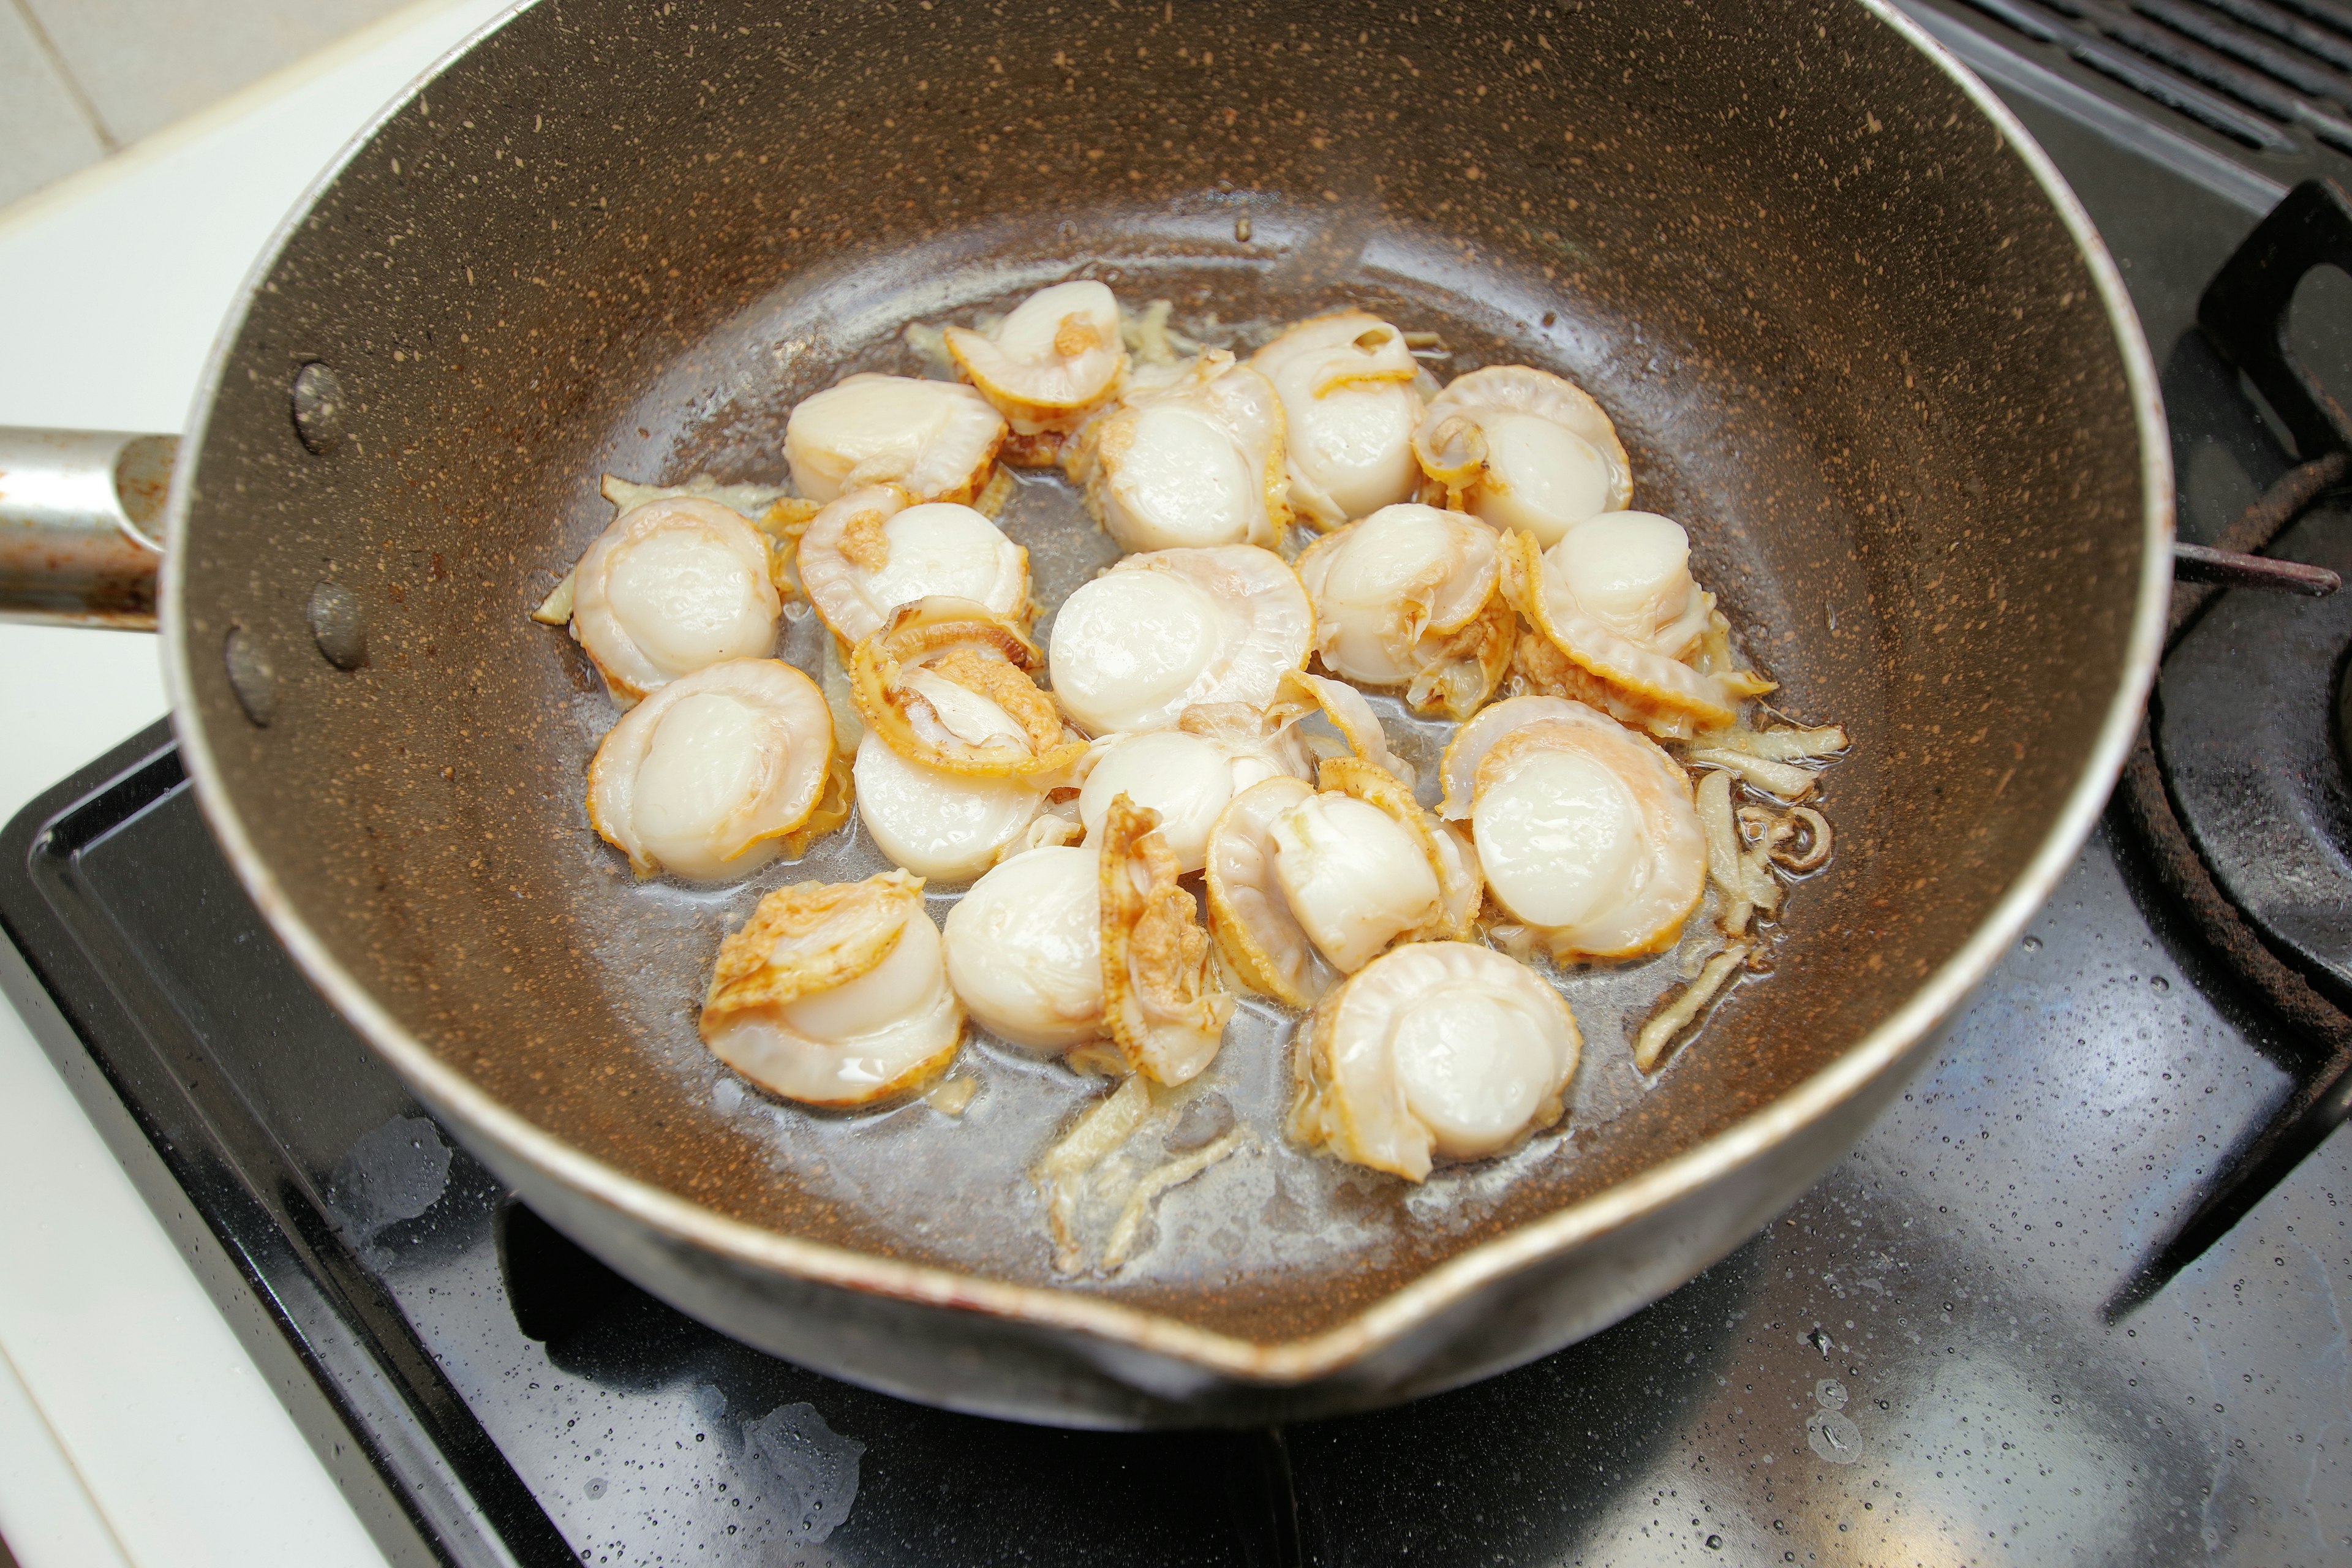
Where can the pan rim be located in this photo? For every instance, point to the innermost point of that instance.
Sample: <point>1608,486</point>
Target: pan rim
<point>1383,1323</point>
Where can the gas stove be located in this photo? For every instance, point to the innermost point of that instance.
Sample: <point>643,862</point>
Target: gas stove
<point>2082,1294</point>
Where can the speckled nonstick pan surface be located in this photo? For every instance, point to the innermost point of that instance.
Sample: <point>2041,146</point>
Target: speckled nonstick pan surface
<point>1844,324</point>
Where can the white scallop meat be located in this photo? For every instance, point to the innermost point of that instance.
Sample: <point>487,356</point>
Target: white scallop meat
<point>873,550</point>
<point>949,827</point>
<point>705,778</point>
<point>1303,883</point>
<point>936,438</point>
<point>1350,406</point>
<point>1524,448</point>
<point>1195,460</point>
<point>1442,1050</point>
<point>1187,779</point>
<point>1024,949</point>
<point>1410,596</point>
<point>1586,832</point>
<point>1614,618</point>
<point>1171,630</point>
<point>672,586</point>
<point>1051,359</point>
<point>836,995</point>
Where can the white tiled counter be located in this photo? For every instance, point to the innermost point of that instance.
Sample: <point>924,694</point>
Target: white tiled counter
<point>79,78</point>
<point>133,1429</point>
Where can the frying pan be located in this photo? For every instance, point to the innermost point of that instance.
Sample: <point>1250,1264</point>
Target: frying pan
<point>1851,325</point>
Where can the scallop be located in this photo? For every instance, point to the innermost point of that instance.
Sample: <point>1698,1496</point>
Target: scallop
<point>1354,880</point>
<point>836,993</point>
<point>1249,914</point>
<point>947,827</point>
<point>1161,1000</point>
<point>937,440</point>
<point>706,776</point>
<point>1442,1050</point>
<point>1188,774</point>
<point>1257,744</point>
<point>1412,596</point>
<point>1523,448</point>
<point>1459,887</point>
<point>1303,883</point>
<point>1586,832</point>
<point>877,547</point>
<point>1347,712</point>
<point>1630,571</point>
<point>1195,461</point>
<point>946,684</point>
<point>1349,408</point>
<point>1169,629</point>
<point>1186,779</point>
<point>1458,767</point>
<point>1612,617</point>
<point>673,586</point>
<point>1024,949</point>
<point>1049,362</point>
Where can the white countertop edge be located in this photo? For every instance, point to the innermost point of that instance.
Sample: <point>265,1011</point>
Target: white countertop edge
<point>134,1429</point>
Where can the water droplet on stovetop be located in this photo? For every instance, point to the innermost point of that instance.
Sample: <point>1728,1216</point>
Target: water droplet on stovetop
<point>1833,1436</point>
<point>2033,944</point>
<point>806,1469</point>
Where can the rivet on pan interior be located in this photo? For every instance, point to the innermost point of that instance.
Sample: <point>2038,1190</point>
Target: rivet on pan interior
<point>250,676</point>
<point>317,404</point>
<point>335,625</point>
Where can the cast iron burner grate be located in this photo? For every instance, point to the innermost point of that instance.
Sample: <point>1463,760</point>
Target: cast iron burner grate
<point>2272,76</point>
<point>2237,793</point>
<point>2237,780</point>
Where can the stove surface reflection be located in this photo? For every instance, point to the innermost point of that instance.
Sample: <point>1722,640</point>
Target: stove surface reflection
<point>1914,1365</point>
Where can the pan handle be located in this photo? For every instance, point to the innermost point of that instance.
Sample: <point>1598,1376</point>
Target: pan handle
<point>80,515</point>
<point>79,511</point>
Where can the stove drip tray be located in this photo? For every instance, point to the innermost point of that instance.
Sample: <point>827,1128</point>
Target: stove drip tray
<point>1918,1352</point>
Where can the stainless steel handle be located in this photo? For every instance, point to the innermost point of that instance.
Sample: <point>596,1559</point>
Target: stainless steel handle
<point>80,515</point>
<point>80,512</point>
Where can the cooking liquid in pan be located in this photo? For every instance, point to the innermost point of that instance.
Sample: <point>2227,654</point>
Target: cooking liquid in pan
<point>957,1190</point>
<point>1852,335</point>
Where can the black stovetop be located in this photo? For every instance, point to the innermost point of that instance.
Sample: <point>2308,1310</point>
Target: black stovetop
<point>1923,1361</point>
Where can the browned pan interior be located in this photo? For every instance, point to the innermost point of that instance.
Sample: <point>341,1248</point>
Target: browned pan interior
<point>1842,332</point>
